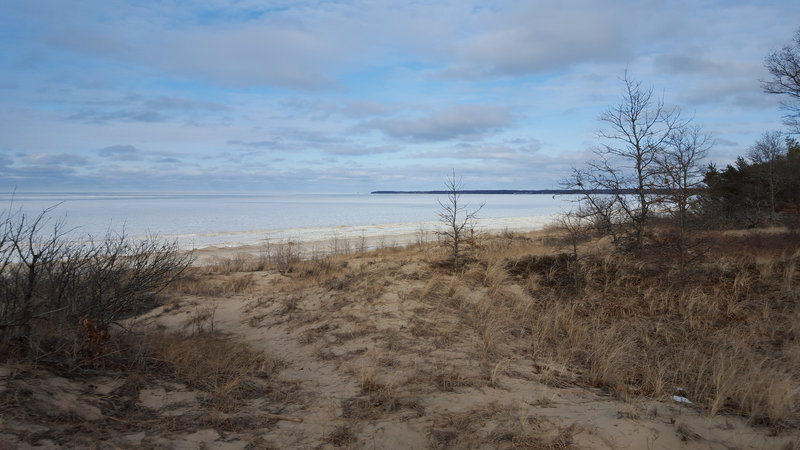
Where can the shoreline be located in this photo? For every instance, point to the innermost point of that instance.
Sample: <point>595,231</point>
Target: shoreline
<point>319,241</point>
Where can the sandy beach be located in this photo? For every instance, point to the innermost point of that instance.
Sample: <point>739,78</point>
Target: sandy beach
<point>384,348</point>
<point>320,241</point>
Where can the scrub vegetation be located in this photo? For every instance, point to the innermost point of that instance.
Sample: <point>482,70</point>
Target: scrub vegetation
<point>535,336</point>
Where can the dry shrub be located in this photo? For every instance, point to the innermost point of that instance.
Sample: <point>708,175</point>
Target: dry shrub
<point>495,426</point>
<point>282,255</point>
<point>236,385</point>
<point>525,435</point>
<point>443,291</point>
<point>725,333</point>
<point>200,282</point>
<point>448,378</point>
<point>202,320</point>
<point>759,243</point>
<point>723,340</point>
<point>458,430</point>
<point>342,436</point>
<point>48,275</point>
<point>222,366</point>
<point>238,284</point>
<point>241,262</point>
<point>376,399</point>
<point>550,271</point>
<point>319,271</point>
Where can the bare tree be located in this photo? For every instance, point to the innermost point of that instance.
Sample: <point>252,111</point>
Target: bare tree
<point>625,173</point>
<point>575,224</point>
<point>766,154</point>
<point>457,218</point>
<point>32,253</point>
<point>681,166</point>
<point>784,66</point>
<point>47,275</point>
<point>600,200</point>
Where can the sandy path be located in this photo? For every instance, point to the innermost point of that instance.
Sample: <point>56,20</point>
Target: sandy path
<point>326,386</point>
<point>514,403</point>
<point>595,420</point>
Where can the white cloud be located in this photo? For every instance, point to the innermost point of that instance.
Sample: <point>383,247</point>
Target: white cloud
<point>268,90</point>
<point>458,122</point>
<point>121,153</point>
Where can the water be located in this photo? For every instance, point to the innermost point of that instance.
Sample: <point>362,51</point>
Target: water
<point>203,220</point>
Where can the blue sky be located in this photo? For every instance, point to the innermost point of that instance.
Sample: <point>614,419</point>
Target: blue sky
<point>354,96</point>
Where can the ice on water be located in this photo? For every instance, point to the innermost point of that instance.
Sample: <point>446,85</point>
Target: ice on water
<point>202,220</point>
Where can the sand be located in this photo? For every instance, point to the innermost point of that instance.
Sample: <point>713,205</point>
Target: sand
<point>365,362</point>
<point>314,242</point>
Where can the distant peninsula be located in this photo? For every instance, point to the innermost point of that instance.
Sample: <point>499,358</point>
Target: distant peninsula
<point>518,191</point>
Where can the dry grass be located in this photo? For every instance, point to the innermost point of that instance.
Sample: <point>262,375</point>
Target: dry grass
<point>499,427</point>
<point>206,283</point>
<point>229,370</point>
<point>405,329</point>
<point>727,334</point>
<point>241,262</point>
<point>226,385</point>
<point>341,436</point>
<point>729,337</point>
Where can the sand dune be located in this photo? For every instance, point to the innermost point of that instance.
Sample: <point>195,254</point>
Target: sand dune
<point>380,349</point>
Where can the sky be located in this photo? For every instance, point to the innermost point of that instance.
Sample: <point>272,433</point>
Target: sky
<point>355,96</point>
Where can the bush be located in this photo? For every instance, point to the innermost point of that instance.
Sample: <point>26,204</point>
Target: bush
<point>47,278</point>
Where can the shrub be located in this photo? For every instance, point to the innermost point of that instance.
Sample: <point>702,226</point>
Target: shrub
<point>45,277</point>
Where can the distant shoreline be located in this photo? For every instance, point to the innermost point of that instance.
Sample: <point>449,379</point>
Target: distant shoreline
<point>524,191</point>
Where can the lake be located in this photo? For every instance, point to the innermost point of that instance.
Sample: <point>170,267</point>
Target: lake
<point>203,220</point>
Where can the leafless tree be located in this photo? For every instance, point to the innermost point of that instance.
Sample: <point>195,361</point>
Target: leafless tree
<point>457,218</point>
<point>767,153</point>
<point>576,226</point>
<point>626,166</point>
<point>31,253</point>
<point>601,209</point>
<point>681,169</point>
<point>784,66</point>
<point>48,274</point>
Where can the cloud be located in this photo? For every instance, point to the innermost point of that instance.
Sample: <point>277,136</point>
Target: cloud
<point>136,108</point>
<point>84,40</point>
<point>49,176</point>
<point>366,108</point>
<point>121,153</point>
<point>718,142</point>
<point>60,159</point>
<point>272,143</point>
<point>519,151</point>
<point>691,61</point>
<point>100,116</point>
<point>498,151</point>
<point>295,80</point>
<point>5,161</point>
<point>362,150</point>
<point>183,104</point>
<point>292,140</point>
<point>743,93</point>
<point>290,53</point>
<point>458,122</point>
<point>531,38</point>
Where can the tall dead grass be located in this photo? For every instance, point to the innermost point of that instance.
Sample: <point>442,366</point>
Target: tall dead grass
<point>206,282</point>
<point>227,369</point>
<point>727,338</point>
